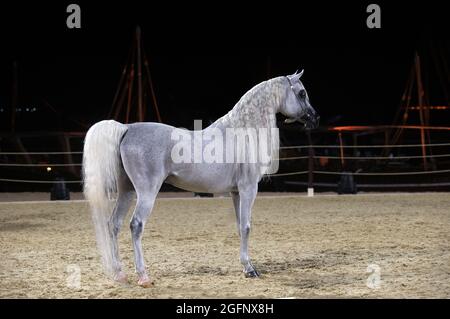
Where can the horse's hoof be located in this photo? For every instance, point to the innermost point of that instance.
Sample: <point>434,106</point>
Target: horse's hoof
<point>121,277</point>
<point>252,274</point>
<point>145,282</point>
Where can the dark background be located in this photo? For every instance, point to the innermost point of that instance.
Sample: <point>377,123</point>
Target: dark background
<point>204,57</point>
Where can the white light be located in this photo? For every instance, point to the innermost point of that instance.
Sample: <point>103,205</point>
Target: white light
<point>49,169</point>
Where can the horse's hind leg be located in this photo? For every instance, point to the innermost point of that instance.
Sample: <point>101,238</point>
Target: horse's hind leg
<point>124,199</point>
<point>146,190</point>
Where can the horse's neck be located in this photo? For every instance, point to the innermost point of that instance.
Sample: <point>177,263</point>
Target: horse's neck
<point>265,94</point>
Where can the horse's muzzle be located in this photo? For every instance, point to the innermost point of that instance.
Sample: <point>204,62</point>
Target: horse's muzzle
<point>311,120</point>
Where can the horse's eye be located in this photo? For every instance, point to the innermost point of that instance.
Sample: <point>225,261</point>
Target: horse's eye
<point>302,94</point>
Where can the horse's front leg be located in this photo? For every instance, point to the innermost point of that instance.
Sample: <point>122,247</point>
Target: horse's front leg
<point>236,204</point>
<point>247,195</point>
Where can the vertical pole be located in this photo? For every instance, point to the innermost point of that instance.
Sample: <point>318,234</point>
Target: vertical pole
<point>139,75</point>
<point>421,110</point>
<point>130,86</point>
<point>119,106</point>
<point>65,141</point>
<point>130,90</point>
<point>310,165</point>
<point>14,96</point>
<point>152,90</point>
<point>18,143</point>
<point>125,91</point>
<point>115,108</point>
<point>386,137</point>
<point>424,150</point>
<point>341,149</point>
<point>386,150</point>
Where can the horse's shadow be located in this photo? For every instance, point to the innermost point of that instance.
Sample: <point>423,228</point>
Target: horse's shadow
<point>265,267</point>
<point>13,227</point>
<point>277,266</point>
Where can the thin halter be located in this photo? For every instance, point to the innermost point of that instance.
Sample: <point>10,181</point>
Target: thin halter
<point>290,83</point>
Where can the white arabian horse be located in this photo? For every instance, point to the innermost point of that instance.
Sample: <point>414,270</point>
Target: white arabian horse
<point>120,160</point>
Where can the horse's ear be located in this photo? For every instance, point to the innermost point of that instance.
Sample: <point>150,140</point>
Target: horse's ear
<point>296,76</point>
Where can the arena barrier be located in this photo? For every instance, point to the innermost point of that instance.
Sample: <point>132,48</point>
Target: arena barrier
<point>440,165</point>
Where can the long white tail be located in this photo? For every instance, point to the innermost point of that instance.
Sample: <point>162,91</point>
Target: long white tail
<point>101,168</point>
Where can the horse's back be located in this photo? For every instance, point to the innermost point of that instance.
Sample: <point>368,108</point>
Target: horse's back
<point>150,128</point>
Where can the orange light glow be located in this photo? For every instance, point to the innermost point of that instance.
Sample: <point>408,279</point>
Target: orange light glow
<point>428,108</point>
<point>368,128</point>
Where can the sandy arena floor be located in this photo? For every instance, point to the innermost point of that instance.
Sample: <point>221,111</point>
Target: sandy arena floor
<point>304,248</point>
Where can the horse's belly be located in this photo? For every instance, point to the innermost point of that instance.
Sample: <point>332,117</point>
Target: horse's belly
<point>202,178</point>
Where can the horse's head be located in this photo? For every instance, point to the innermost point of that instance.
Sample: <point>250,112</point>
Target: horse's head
<point>297,106</point>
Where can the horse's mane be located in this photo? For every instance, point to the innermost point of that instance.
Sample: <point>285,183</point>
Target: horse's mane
<point>257,106</point>
<point>257,109</point>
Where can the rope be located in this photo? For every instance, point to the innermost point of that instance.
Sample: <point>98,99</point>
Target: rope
<point>288,174</point>
<point>383,174</point>
<point>362,146</point>
<point>39,153</point>
<point>283,147</point>
<point>293,158</point>
<point>280,159</point>
<point>368,174</point>
<point>365,157</point>
<point>382,157</point>
<point>39,182</point>
<point>39,165</point>
<point>270,175</point>
<point>371,185</point>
